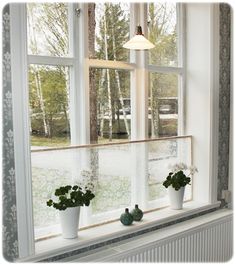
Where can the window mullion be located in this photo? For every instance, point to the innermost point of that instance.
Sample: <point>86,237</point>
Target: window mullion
<point>110,64</point>
<point>49,60</point>
<point>79,99</point>
<point>139,93</point>
<point>181,61</point>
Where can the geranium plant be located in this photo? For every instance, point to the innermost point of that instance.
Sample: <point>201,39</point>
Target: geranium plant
<point>178,177</point>
<point>71,196</point>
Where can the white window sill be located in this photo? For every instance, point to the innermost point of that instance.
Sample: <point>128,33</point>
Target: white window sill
<point>88,237</point>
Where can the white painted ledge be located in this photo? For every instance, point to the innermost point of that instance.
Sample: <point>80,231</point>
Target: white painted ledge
<point>57,245</point>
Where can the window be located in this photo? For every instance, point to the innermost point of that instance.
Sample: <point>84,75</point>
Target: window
<point>54,101</point>
<point>163,104</point>
<point>166,69</point>
<point>48,29</point>
<point>49,84</point>
<point>49,105</point>
<point>151,95</point>
<point>110,32</point>
<point>55,108</point>
<point>113,113</point>
<point>163,32</point>
<point>108,26</point>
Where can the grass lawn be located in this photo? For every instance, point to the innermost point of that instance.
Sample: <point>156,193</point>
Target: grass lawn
<point>51,142</point>
<point>63,141</point>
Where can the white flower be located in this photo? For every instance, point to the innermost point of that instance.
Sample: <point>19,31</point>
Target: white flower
<point>179,166</point>
<point>182,166</point>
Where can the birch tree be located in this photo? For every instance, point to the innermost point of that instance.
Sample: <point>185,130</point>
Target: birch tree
<point>119,86</point>
<point>36,72</point>
<point>113,31</point>
<point>92,78</point>
<point>108,81</point>
<point>162,32</point>
<point>49,22</point>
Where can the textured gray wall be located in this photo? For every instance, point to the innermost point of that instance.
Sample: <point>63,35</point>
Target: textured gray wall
<point>9,230</point>
<point>10,241</point>
<point>224,98</point>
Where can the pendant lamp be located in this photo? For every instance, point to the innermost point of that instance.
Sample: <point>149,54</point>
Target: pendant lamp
<point>139,42</point>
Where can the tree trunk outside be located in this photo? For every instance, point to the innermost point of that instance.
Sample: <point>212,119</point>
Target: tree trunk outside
<point>155,120</point>
<point>92,85</point>
<point>41,102</point>
<point>108,82</point>
<point>119,86</point>
<point>101,82</point>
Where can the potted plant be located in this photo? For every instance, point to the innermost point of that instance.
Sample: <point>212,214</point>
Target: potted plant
<point>68,200</point>
<point>176,182</point>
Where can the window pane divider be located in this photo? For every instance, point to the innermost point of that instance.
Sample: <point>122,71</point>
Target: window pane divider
<point>50,60</point>
<point>165,69</point>
<point>110,64</point>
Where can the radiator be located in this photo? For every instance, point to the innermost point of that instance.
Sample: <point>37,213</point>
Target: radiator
<point>207,238</point>
<point>209,242</point>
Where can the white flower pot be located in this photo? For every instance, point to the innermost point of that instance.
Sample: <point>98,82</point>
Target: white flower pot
<point>69,222</point>
<point>176,197</point>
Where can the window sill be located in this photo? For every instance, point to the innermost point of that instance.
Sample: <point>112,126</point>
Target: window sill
<point>88,238</point>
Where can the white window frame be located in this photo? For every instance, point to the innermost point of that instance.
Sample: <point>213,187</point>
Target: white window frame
<point>21,112</point>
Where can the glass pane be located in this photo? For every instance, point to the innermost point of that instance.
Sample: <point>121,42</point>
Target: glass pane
<point>108,30</point>
<point>163,105</point>
<point>117,172</point>
<point>110,106</point>
<point>162,154</point>
<point>48,99</point>
<point>47,25</point>
<point>118,195</point>
<point>162,23</point>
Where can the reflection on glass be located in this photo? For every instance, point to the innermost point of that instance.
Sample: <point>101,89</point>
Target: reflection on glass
<point>163,105</point>
<point>48,99</point>
<point>162,32</point>
<point>108,25</point>
<point>122,175</point>
<point>47,25</point>
<point>110,93</point>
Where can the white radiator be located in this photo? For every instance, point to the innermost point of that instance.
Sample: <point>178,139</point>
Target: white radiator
<point>209,242</point>
<point>207,238</point>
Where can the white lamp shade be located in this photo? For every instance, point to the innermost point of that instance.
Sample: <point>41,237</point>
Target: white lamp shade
<point>138,42</point>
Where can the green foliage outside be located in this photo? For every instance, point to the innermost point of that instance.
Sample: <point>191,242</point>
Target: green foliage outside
<point>49,85</point>
<point>162,33</point>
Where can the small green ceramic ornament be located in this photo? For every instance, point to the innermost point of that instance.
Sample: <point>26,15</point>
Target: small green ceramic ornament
<point>126,218</point>
<point>137,213</point>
